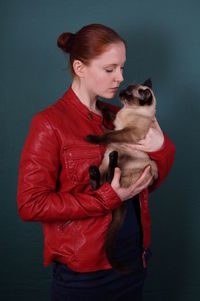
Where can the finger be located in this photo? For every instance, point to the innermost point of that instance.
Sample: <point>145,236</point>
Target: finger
<point>143,176</point>
<point>141,142</point>
<point>144,185</point>
<point>116,178</point>
<point>135,146</point>
<point>139,147</point>
<point>149,181</point>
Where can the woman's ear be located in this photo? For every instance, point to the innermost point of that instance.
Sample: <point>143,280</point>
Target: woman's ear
<point>78,67</point>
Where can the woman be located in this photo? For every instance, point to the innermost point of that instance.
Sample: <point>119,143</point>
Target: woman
<point>54,186</point>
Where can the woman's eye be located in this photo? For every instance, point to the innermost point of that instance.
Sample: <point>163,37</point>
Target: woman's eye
<point>111,70</point>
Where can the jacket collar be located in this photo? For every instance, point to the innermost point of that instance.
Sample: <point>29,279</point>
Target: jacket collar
<point>71,97</point>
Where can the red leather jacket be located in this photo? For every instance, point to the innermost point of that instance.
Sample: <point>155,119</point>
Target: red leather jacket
<point>54,187</point>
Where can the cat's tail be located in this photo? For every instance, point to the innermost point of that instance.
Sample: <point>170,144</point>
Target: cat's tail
<point>110,239</point>
<point>96,139</point>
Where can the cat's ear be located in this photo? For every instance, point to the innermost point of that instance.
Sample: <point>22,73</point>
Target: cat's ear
<point>148,83</point>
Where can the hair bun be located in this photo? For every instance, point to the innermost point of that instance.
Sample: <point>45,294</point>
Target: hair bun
<point>65,41</point>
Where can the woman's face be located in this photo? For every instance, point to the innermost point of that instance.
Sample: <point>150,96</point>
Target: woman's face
<point>104,74</point>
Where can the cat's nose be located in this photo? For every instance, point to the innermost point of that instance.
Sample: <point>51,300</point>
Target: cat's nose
<point>129,90</point>
<point>125,94</point>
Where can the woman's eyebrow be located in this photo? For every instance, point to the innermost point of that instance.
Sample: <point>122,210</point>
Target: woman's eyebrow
<point>113,65</point>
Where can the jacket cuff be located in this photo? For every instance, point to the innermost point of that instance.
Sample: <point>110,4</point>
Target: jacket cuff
<point>109,196</point>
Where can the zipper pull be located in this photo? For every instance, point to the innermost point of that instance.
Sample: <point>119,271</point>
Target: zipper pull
<point>90,116</point>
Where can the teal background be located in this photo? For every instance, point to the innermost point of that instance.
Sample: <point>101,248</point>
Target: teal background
<point>163,43</point>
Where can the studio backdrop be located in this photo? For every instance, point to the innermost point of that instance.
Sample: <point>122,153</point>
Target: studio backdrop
<point>162,43</point>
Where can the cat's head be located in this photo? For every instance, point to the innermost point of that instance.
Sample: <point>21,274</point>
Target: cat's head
<point>138,95</point>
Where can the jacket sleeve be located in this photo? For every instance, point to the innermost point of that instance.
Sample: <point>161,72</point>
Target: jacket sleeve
<point>164,159</point>
<point>38,198</point>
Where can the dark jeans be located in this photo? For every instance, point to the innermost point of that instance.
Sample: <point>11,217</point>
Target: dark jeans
<point>64,288</point>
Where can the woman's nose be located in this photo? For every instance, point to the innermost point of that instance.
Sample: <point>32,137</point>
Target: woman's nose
<point>119,76</point>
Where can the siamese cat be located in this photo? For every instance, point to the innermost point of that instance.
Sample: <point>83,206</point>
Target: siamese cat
<point>131,123</point>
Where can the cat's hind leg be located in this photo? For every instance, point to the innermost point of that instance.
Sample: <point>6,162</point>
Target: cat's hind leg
<point>113,158</point>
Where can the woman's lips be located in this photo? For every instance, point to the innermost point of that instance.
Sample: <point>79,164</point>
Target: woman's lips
<point>114,89</point>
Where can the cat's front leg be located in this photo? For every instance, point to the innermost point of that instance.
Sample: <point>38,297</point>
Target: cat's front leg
<point>94,177</point>
<point>125,135</point>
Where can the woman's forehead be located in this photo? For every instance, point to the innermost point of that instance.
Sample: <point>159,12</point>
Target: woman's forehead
<point>115,54</point>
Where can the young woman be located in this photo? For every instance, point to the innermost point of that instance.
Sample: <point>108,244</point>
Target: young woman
<point>54,186</point>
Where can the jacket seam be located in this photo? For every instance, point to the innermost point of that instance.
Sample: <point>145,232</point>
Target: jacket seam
<point>47,118</point>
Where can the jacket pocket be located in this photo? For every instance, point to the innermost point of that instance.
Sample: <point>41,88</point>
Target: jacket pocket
<point>78,159</point>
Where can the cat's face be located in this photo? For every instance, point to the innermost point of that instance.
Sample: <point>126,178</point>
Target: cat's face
<point>138,95</point>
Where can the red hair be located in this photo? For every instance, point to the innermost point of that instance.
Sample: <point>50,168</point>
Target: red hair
<point>89,42</point>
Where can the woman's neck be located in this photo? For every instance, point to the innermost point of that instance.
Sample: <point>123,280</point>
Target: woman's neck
<point>88,100</point>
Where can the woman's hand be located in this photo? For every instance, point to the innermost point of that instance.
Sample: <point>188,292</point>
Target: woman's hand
<point>127,193</point>
<point>152,142</point>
